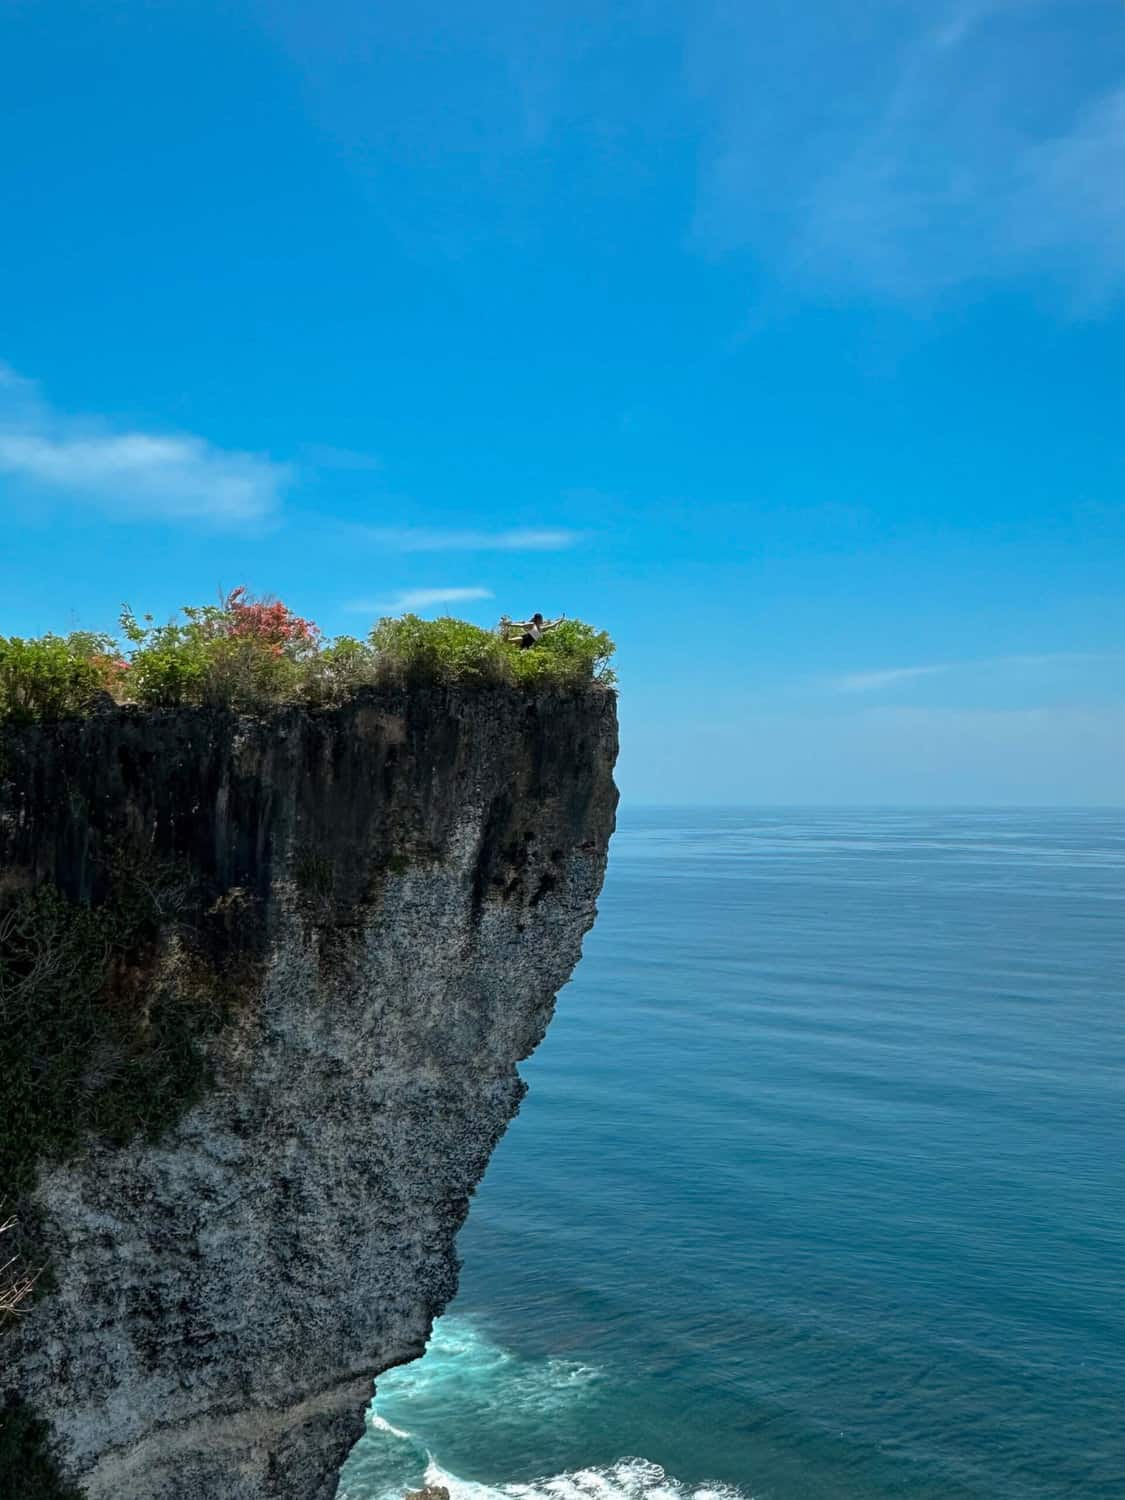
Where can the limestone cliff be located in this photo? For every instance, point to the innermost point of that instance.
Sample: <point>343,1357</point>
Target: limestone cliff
<point>342,930</point>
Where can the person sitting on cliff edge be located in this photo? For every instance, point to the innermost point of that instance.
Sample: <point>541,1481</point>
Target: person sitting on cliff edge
<point>525,633</point>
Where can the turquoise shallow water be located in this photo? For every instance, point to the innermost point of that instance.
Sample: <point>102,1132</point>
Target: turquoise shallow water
<point>819,1191</point>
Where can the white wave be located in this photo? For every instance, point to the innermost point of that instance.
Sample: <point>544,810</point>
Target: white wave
<point>376,1423</point>
<point>463,1365</point>
<point>466,1378</point>
<point>627,1479</point>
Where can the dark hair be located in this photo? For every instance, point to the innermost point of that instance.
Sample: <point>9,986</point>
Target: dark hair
<point>538,618</point>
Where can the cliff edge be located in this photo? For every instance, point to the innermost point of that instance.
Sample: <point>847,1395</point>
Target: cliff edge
<point>264,983</point>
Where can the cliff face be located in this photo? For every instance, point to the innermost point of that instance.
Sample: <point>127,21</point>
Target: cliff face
<point>366,914</point>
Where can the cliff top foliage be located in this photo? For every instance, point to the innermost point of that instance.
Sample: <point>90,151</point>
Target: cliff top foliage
<point>246,654</point>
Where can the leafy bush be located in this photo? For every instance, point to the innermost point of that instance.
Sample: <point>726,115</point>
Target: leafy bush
<point>409,649</point>
<point>273,626</point>
<point>169,663</point>
<point>247,654</point>
<point>242,653</point>
<point>571,653</point>
<point>56,675</point>
<point>339,667</point>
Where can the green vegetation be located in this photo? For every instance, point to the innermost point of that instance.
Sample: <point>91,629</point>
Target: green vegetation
<point>416,651</point>
<point>239,654</point>
<point>249,654</point>
<point>101,1020</point>
<point>76,1054</point>
<point>56,674</point>
<point>100,1026</point>
<point>104,1009</point>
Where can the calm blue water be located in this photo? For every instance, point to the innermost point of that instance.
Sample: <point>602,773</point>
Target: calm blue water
<point>819,1192</point>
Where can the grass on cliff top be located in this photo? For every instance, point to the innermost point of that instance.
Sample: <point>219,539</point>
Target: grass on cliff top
<point>251,654</point>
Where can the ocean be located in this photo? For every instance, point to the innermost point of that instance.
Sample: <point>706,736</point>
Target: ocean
<point>819,1189</point>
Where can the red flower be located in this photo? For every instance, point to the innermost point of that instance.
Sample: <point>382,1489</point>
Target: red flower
<point>273,625</point>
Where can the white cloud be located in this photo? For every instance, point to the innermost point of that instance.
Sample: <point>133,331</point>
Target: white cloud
<point>1073,184</point>
<point>924,146</point>
<point>162,476</point>
<point>424,539</point>
<point>411,599</point>
<point>872,681</point>
<point>865,682</point>
<point>15,387</point>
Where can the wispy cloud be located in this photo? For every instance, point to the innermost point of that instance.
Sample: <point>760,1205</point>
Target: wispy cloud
<point>867,682</point>
<point>410,599</point>
<point>428,539</point>
<point>929,145</point>
<point>165,476</point>
<point>1072,185</point>
<point>873,681</point>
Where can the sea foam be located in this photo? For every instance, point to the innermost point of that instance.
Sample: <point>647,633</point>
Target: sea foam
<point>468,1377</point>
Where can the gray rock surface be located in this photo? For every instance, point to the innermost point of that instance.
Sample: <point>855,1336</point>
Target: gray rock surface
<point>410,878</point>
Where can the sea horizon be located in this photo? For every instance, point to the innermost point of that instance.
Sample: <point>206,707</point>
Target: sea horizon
<point>810,1198</point>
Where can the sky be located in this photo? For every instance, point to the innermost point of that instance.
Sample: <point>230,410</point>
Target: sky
<point>785,342</point>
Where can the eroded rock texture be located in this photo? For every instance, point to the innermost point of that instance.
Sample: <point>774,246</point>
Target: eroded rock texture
<point>394,892</point>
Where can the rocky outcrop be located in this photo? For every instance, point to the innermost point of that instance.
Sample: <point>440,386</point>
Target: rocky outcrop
<point>368,912</point>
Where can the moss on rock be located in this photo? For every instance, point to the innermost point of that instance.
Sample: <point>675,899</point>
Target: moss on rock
<point>103,1011</point>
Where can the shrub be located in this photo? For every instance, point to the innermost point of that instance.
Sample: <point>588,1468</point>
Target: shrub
<point>338,668</point>
<point>57,675</point>
<point>274,626</point>
<point>569,654</point>
<point>409,649</point>
<point>169,662</point>
<point>242,653</point>
<point>247,654</point>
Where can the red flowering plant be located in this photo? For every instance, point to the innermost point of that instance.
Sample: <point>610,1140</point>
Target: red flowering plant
<point>249,654</point>
<point>242,653</point>
<point>113,673</point>
<point>273,625</point>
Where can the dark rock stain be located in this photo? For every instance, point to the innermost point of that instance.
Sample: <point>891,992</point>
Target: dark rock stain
<point>331,800</point>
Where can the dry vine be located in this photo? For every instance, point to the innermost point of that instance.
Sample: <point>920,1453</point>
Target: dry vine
<point>16,1285</point>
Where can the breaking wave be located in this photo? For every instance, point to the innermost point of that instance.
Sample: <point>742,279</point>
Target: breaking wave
<point>467,1383</point>
<point>627,1479</point>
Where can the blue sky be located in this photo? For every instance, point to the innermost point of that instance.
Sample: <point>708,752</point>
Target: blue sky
<point>787,342</point>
